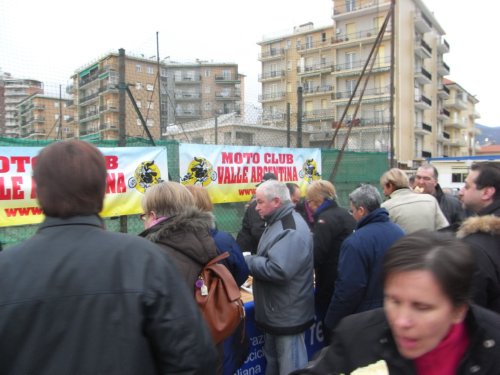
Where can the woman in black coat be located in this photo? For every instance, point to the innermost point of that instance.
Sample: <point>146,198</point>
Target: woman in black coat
<point>427,325</point>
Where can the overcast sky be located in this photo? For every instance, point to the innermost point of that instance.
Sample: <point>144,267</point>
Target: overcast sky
<point>48,40</point>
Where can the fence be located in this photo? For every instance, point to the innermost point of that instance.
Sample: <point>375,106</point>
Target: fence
<point>355,168</point>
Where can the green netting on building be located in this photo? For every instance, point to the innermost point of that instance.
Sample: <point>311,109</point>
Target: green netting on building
<point>355,168</point>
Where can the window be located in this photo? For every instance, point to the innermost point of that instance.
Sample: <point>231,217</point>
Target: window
<point>323,37</point>
<point>56,104</point>
<point>207,72</point>
<point>350,60</point>
<point>138,68</point>
<point>138,86</point>
<point>56,116</point>
<point>207,89</point>
<point>139,104</point>
<point>309,41</point>
<point>139,123</point>
<point>150,105</point>
<point>458,177</point>
<point>350,84</point>
<point>208,106</point>
<point>164,72</point>
<point>350,5</point>
<point>150,70</point>
<point>149,87</point>
<point>150,122</point>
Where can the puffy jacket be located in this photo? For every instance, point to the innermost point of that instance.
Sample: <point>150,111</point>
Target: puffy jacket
<point>482,233</point>
<point>251,230</point>
<point>365,338</point>
<point>282,273</point>
<point>187,239</point>
<point>77,299</point>
<point>359,282</point>
<point>451,207</point>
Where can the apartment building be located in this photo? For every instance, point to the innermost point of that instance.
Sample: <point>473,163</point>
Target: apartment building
<point>44,117</point>
<point>327,63</point>
<point>12,91</point>
<point>460,122</point>
<point>177,93</point>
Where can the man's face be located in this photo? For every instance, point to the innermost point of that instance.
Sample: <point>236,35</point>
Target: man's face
<point>357,213</point>
<point>425,179</point>
<point>265,207</point>
<point>472,198</point>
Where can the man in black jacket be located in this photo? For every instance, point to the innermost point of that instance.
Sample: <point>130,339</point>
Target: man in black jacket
<point>427,180</point>
<point>77,299</point>
<point>481,195</point>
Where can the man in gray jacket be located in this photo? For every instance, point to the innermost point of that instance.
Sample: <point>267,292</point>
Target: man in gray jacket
<point>282,271</point>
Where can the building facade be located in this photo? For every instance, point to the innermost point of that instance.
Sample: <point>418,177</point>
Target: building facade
<point>44,117</point>
<point>327,62</point>
<point>12,91</point>
<point>179,93</point>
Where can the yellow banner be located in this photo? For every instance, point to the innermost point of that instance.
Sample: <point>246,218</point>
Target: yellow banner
<point>131,170</point>
<point>232,173</point>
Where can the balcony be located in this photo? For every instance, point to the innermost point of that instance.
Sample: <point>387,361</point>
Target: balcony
<point>365,37</point>
<point>84,100</point>
<point>443,92</point>
<point>314,45</point>
<point>456,122</point>
<point>423,128</point>
<point>373,95</point>
<point>274,74</point>
<point>349,9</point>
<point>225,95</point>
<point>457,102</point>
<point>187,113</point>
<point>110,107</point>
<point>443,114</point>
<point>187,96</point>
<point>443,46</point>
<point>444,137</point>
<point>272,53</point>
<point>458,142</point>
<point>443,68</point>
<point>315,69</point>
<point>226,80</point>
<point>475,115</point>
<point>422,23</point>
<point>354,68</point>
<point>423,50</point>
<point>109,126</point>
<point>318,114</point>
<point>317,90</point>
<point>272,96</point>
<point>423,77</point>
<point>187,80</point>
<point>422,102</point>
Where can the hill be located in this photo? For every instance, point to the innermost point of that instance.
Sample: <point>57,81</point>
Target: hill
<point>489,135</point>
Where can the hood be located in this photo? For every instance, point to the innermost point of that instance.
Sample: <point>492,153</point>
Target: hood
<point>480,224</point>
<point>188,233</point>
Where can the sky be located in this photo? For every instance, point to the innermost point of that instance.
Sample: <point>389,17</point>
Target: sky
<point>49,40</point>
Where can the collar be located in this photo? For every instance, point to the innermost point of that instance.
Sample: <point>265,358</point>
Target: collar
<point>50,221</point>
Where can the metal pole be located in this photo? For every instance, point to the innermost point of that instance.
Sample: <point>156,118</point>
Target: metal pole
<point>159,85</point>
<point>216,129</point>
<point>299,116</point>
<point>288,133</point>
<point>122,117</point>
<point>59,133</point>
<point>392,88</point>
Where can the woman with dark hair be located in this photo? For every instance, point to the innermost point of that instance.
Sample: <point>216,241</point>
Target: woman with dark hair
<point>427,325</point>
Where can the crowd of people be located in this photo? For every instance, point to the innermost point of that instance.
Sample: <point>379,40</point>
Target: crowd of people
<point>410,284</point>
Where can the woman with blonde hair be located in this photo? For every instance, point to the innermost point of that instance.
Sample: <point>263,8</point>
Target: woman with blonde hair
<point>172,220</point>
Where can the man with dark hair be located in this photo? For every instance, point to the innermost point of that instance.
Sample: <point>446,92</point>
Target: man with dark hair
<point>481,195</point>
<point>78,299</point>
<point>252,225</point>
<point>426,179</point>
<point>359,284</point>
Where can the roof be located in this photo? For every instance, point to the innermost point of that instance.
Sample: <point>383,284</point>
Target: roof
<point>489,149</point>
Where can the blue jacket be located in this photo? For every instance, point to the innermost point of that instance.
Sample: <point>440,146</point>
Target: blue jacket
<point>282,273</point>
<point>359,285</point>
<point>235,263</point>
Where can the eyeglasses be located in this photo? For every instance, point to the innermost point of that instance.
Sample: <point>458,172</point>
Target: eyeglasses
<point>143,217</point>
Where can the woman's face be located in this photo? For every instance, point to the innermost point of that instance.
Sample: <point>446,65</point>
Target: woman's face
<point>419,313</point>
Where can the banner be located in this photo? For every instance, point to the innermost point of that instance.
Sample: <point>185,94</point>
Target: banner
<point>231,173</point>
<point>130,171</point>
